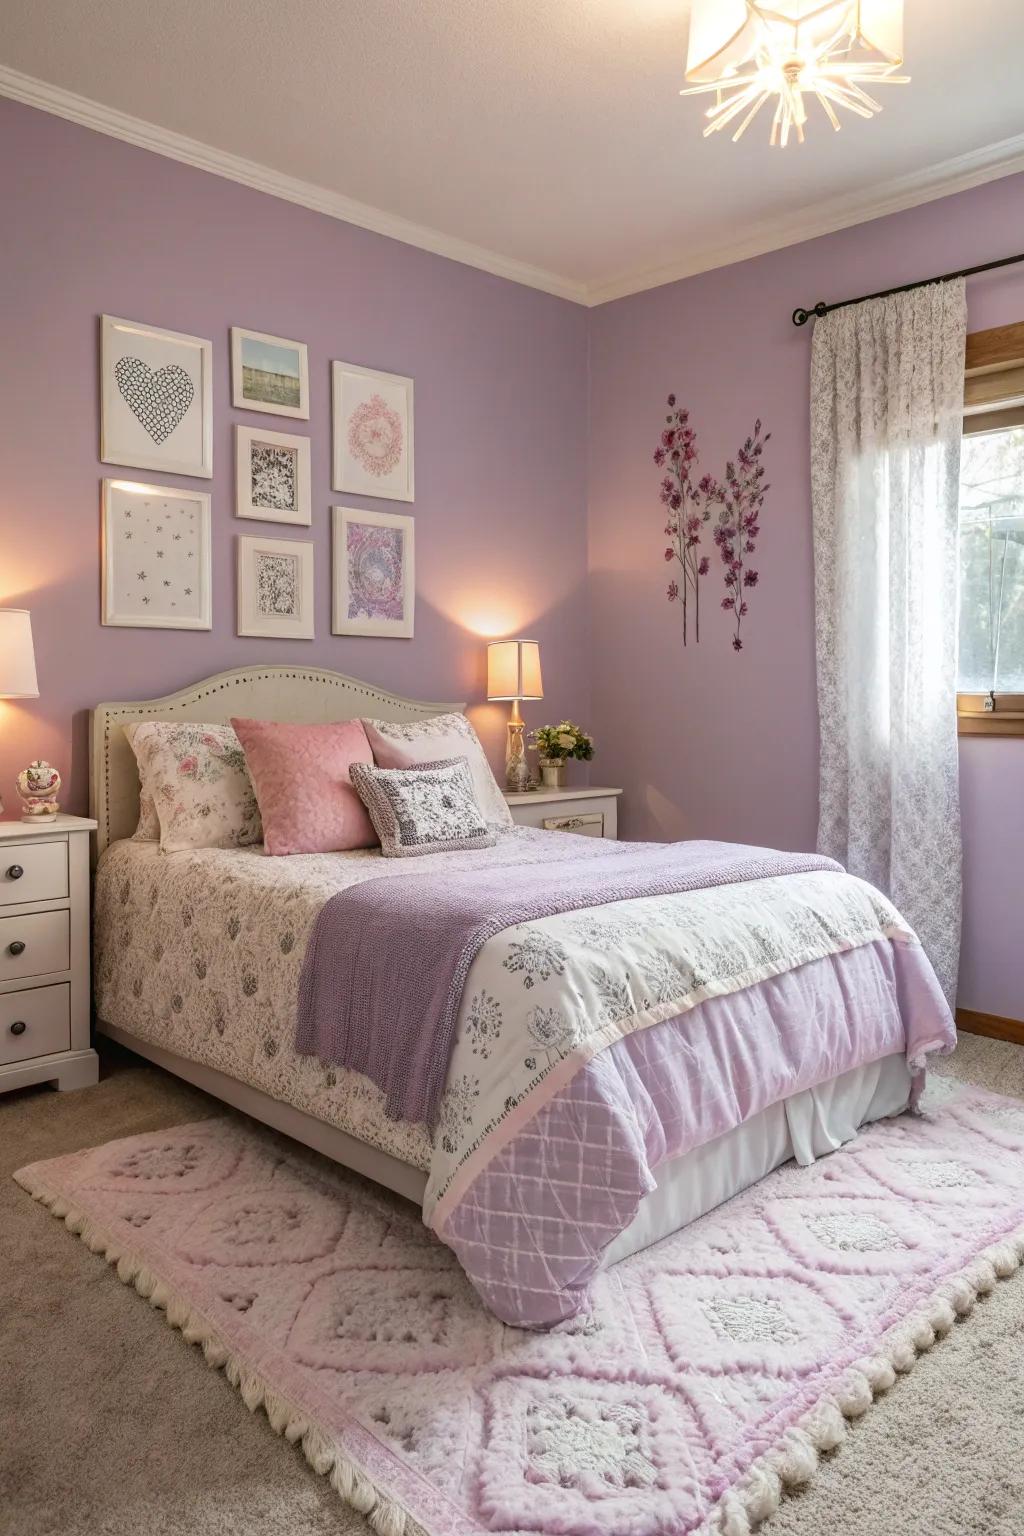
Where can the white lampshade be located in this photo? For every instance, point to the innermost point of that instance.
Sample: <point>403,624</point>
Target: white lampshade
<point>721,37</point>
<point>513,670</point>
<point>725,34</point>
<point>17,656</point>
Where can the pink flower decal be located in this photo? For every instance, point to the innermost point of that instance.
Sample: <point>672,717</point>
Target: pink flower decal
<point>690,500</point>
<point>375,436</point>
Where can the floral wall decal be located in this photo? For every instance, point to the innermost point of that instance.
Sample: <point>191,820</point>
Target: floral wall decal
<point>690,505</point>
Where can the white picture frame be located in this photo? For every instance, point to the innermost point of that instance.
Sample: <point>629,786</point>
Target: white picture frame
<point>156,398</point>
<point>272,476</point>
<point>155,556</point>
<point>373,446</point>
<point>275,587</point>
<point>269,374</point>
<point>373,590</point>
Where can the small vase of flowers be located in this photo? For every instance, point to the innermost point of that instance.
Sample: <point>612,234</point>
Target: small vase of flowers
<point>556,744</point>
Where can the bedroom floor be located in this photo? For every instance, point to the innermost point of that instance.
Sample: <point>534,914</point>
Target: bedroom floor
<point>114,1425</point>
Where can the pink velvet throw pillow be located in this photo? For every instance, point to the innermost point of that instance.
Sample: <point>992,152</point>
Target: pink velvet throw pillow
<point>301,777</point>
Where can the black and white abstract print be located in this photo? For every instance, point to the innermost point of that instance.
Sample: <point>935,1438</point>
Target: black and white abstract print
<point>277,585</point>
<point>273,476</point>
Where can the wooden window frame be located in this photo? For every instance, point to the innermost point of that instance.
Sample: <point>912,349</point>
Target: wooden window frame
<point>993,401</point>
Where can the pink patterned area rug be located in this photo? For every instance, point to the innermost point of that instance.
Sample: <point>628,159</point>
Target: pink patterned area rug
<point>710,1373</point>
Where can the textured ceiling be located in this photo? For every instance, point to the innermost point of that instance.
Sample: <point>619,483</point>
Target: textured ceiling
<point>548,131</point>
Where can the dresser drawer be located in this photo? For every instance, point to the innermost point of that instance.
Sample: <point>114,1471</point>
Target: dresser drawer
<point>34,945</point>
<point>34,1023</point>
<point>589,824</point>
<point>33,872</point>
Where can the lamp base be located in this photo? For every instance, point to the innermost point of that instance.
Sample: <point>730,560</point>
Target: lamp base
<point>517,769</point>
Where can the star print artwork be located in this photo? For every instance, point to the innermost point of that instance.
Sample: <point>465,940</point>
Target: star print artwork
<point>156,556</point>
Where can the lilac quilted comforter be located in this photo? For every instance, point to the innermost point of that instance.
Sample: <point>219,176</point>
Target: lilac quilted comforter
<point>589,1045</point>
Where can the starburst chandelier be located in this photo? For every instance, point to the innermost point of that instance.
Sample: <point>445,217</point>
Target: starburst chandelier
<point>751,51</point>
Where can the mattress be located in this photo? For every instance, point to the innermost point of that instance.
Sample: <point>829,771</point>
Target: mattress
<point>199,952</point>
<point>703,1036</point>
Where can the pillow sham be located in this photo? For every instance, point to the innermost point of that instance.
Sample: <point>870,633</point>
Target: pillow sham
<point>439,738</point>
<point>148,829</point>
<point>195,777</point>
<point>301,777</point>
<point>426,808</point>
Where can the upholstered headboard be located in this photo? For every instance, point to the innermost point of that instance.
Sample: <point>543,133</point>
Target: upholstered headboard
<point>303,694</point>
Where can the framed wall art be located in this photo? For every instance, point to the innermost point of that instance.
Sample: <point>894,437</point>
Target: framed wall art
<point>272,476</point>
<point>156,398</point>
<point>275,588</point>
<point>269,374</point>
<point>373,432</point>
<point>374,585</point>
<point>156,556</point>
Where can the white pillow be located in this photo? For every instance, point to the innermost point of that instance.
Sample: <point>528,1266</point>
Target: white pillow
<point>195,777</point>
<point>439,738</point>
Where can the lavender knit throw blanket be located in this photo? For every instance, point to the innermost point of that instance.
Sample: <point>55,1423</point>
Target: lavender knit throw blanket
<point>387,960</point>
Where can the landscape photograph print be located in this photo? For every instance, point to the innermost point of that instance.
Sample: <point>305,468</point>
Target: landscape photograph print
<point>269,374</point>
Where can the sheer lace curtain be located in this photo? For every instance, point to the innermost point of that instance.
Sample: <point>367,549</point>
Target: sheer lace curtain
<point>887,380</point>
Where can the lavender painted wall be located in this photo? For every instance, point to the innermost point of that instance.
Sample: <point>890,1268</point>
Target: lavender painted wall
<point>709,743</point>
<point>705,742</point>
<point>92,226</point>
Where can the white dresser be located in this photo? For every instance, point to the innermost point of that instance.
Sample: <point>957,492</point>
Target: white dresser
<point>44,954</point>
<point>588,812</point>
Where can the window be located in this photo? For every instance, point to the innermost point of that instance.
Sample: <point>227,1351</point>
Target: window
<point>990,699</point>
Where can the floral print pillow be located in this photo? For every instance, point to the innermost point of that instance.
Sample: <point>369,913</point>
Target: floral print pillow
<point>195,778</point>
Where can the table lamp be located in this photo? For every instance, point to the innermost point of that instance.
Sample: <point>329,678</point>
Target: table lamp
<point>513,673</point>
<point>17,658</point>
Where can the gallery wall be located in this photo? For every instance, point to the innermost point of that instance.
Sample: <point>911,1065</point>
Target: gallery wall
<point>710,742</point>
<point>93,226</point>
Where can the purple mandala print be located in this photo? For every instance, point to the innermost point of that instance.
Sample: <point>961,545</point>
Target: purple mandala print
<point>376,572</point>
<point>375,438</point>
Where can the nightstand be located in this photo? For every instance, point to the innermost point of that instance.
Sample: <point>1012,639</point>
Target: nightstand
<point>44,954</point>
<point>589,812</point>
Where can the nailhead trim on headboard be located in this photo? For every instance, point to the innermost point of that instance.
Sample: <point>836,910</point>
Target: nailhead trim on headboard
<point>185,698</point>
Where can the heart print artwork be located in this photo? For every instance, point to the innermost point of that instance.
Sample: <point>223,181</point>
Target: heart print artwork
<point>157,397</point>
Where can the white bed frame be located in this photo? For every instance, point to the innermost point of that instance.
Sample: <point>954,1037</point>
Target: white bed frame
<point>306,695</point>
<point>687,1186</point>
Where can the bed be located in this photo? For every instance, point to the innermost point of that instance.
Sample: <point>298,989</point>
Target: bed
<point>546,1162</point>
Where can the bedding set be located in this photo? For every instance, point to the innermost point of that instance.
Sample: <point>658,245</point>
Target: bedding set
<point>539,1021</point>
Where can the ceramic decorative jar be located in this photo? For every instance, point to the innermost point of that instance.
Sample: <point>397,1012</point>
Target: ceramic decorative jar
<point>39,786</point>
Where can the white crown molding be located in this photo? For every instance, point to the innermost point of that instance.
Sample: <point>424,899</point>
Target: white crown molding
<point>956,175</point>
<point>903,192</point>
<point>204,157</point>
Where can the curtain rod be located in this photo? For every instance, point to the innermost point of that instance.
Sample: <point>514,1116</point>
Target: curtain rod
<point>801,316</point>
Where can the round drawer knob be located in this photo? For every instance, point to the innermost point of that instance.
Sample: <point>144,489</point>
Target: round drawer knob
<point>18,1027</point>
<point>15,872</point>
<point>16,947</point>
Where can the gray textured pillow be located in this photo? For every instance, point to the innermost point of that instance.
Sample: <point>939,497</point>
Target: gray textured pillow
<point>428,808</point>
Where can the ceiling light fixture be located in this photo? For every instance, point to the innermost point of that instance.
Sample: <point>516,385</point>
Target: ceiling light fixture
<point>748,51</point>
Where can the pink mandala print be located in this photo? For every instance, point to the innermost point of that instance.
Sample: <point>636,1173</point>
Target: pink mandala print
<point>376,572</point>
<point>375,438</point>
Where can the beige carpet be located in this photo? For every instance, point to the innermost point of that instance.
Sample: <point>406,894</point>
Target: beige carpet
<point>111,1425</point>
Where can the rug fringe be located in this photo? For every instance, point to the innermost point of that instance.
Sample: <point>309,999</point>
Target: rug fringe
<point>387,1517</point>
<point>794,1461</point>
